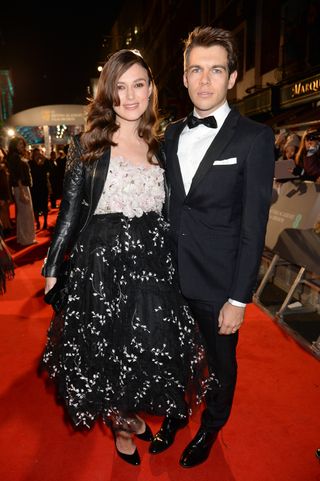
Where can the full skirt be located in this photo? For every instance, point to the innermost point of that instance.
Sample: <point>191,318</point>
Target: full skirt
<point>125,340</point>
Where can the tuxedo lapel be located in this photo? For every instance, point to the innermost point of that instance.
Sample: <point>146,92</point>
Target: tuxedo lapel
<point>222,139</point>
<point>172,152</point>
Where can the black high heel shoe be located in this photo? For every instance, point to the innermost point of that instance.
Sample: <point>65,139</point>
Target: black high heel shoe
<point>133,458</point>
<point>146,435</point>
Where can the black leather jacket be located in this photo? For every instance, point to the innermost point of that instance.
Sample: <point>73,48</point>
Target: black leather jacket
<point>82,187</point>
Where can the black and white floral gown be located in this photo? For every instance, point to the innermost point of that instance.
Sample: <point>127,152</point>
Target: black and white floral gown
<point>126,341</point>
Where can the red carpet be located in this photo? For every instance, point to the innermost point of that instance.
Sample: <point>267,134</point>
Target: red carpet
<point>26,254</point>
<point>272,434</point>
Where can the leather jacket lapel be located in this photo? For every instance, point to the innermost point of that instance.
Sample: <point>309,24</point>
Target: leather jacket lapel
<point>99,174</point>
<point>216,148</point>
<point>99,177</point>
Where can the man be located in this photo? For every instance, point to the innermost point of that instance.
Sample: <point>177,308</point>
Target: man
<point>220,172</point>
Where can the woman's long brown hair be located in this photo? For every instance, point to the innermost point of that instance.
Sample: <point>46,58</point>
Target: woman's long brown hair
<point>101,120</point>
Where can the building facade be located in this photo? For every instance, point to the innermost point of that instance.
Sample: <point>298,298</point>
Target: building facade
<point>279,61</point>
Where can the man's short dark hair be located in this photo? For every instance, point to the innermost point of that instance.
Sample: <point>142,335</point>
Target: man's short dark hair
<point>209,36</point>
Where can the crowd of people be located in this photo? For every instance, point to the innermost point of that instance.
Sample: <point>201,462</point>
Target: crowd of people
<point>28,180</point>
<point>303,151</point>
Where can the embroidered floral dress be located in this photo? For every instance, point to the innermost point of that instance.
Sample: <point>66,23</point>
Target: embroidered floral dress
<point>126,341</point>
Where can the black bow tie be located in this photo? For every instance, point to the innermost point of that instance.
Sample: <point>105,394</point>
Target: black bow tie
<point>207,121</point>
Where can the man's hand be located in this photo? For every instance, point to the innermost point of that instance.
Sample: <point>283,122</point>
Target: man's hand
<point>50,282</point>
<point>230,318</point>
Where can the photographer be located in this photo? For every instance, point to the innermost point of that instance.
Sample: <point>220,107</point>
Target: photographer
<point>308,156</point>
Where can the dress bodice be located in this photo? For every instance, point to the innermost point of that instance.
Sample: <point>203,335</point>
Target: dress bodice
<point>132,189</point>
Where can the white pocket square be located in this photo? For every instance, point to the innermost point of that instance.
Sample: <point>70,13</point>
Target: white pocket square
<point>231,161</point>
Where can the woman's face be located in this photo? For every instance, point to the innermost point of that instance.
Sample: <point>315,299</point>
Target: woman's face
<point>290,152</point>
<point>134,91</point>
<point>21,147</point>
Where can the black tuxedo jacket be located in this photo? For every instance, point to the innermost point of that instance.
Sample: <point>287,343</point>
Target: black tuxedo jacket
<point>219,226</point>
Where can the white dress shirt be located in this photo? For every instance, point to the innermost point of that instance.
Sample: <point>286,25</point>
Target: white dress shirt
<point>193,144</point>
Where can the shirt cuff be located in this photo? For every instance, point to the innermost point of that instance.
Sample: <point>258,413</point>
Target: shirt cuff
<point>236,303</point>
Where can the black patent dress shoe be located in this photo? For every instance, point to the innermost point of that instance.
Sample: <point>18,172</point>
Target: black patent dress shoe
<point>198,449</point>
<point>165,436</point>
<point>146,435</point>
<point>133,458</point>
<point>130,458</point>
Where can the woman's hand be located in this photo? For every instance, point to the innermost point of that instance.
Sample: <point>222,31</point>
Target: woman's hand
<point>50,282</point>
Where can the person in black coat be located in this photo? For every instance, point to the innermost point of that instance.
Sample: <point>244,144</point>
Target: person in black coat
<point>40,168</point>
<point>60,163</point>
<point>220,170</point>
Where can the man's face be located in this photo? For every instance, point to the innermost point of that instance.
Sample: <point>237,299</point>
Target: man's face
<point>207,78</point>
<point>311,143</point>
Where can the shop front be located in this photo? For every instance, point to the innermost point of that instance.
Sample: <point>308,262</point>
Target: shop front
<point>293,105</point>
<point>299,105</point>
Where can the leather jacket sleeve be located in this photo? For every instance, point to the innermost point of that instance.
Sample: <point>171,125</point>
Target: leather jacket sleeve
<point>69,213</point>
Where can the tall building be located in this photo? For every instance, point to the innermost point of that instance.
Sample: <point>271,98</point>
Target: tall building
<point>279,60</point>
<point>6,102</point>
<point>6,97</point>
<point>279,72</point>
<point>157,28</point>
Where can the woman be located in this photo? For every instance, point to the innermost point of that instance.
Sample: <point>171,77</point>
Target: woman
<point>291,146</point>
<point>21,181</point>
<point>5,194</point>
<point>128,342</point>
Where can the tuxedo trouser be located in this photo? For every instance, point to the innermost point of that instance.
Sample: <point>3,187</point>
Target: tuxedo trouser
<point>221,357</point>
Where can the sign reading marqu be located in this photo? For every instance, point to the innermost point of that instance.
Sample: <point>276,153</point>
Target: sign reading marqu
<point>300,92</point>
<point>301,88</point>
